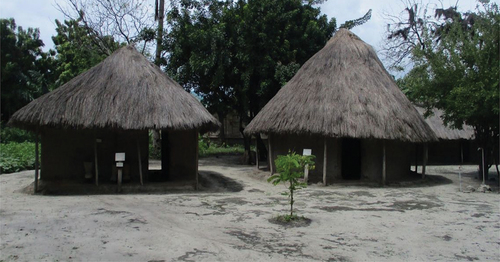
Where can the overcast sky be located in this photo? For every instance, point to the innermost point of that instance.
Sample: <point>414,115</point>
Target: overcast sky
<point>42,14</point>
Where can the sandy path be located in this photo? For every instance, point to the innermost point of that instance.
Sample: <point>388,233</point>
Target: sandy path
<point>419,223</point>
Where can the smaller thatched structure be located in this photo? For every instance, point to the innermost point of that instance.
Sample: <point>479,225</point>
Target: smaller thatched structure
<point>442,131</point>
<point>344,106</point>
<point>110,109</point>
<point>455,146</point>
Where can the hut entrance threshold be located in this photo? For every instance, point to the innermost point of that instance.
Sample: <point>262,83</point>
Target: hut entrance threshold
<point>351,159</point>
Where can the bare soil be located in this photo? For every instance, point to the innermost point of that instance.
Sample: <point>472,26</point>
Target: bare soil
<point>229,220</point>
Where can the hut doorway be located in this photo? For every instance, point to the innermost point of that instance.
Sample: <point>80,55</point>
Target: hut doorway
<point>351,159</point>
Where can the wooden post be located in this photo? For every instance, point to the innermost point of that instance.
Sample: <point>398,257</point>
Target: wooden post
<point>270,155</point>
<point>96,169</point>
<point>196,159</point>
<point>426,155</point>
<point>140,161</point>
<point>384,164</point>
<point>306,173</point>
<point>256,153</point>
<point>37,165</point>
<point>461,152</point>
<point>324,162</point>
<point>416,158</point>
<point>119,179</point>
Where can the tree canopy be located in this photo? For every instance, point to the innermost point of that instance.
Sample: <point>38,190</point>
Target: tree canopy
<point>237,55</point>
<point>77,49</point>
<point>21,65</point>
<point>456,67</point>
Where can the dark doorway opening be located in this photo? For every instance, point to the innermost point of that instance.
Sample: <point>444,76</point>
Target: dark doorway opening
<point>351,159</point>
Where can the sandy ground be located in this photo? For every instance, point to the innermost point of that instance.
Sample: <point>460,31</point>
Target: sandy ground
<point>229,221</point>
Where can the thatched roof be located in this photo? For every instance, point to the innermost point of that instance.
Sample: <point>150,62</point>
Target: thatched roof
<point>441,130</point>
<point>125,91</point>
<point>343,91</point>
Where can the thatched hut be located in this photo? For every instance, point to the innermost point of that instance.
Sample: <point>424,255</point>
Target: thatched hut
<point>344,105</point>
<point>455,146</point>
<point>109,109</point>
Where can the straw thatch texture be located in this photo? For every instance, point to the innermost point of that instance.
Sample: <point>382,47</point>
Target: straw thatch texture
<point>441,130</point>
<point>343,91</point>
<point>125,91</point>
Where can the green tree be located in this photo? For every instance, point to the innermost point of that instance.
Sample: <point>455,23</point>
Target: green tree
<point>77,50</point>
<point>237,55</point>
<point>200,55</point>
<point>456,69</point>
<point>290,169</point>
<point>21,65</point>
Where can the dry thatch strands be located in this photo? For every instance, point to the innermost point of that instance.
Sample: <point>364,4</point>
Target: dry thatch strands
<point>125,91</point>
<point>343,91</point>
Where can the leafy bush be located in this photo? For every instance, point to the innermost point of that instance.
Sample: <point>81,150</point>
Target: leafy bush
<point>221,150</point>
<point>290,169</point>
<point>15,157</point>
<point>205,148</point>
<point>12,134</point>
<point>203,145</point>
<point>152,154</point>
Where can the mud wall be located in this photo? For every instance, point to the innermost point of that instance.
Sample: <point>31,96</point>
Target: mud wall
<point>63,152</point>
<point>183,151</point>
<point>397,156</point>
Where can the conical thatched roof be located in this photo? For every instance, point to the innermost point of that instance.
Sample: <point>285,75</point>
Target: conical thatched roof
<point>343,91</point>
<point>125,91</point>
<point>441,130</point>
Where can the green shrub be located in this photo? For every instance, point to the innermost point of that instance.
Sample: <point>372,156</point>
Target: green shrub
<point>12,134</point>
<point>215,149</point>
<point>203,145</point>
<point>205,148</point>
<point>15,157</point>
<point>290,169</point>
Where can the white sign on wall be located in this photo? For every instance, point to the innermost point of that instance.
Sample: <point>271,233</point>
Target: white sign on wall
<point>306,152</point>
<point>120,157</point>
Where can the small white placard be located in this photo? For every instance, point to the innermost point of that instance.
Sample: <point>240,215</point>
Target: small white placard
<point>119,157</point>
<point>119,164</point>
<point>307,152</point>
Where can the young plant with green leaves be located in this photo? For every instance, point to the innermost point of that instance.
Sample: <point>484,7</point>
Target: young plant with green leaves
<point>290,169</point>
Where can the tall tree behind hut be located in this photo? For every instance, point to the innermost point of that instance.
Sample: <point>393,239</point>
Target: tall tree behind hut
<point>159,15</point>
<point>455,66</point>
<point>77,50</point>
<point>122,21</point>
<point>237,55</point>
<point>22,66</point>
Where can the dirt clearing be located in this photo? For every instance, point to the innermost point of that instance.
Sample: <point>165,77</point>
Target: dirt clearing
<point>229,221</point>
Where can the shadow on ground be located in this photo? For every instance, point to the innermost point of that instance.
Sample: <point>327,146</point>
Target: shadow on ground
<point>210,181</point>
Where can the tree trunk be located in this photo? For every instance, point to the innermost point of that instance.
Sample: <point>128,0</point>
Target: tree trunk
<point>247,160</point>
<point>156,144</point>
<point>159,38</point>
<point>483,138</point>
<point>222,131</point>
<point>261,148</point>
<point>158,16</point>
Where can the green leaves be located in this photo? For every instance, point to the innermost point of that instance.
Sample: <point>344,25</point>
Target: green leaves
<point>20,52</point>
<point>290,169</point>
<point>456,69</point>
<point>78,49</point>
<point>15,157</point>
<point>237,55</point>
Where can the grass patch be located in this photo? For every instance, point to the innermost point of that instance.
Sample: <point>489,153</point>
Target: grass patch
<point>15,157</point>
<point>220,150</point>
